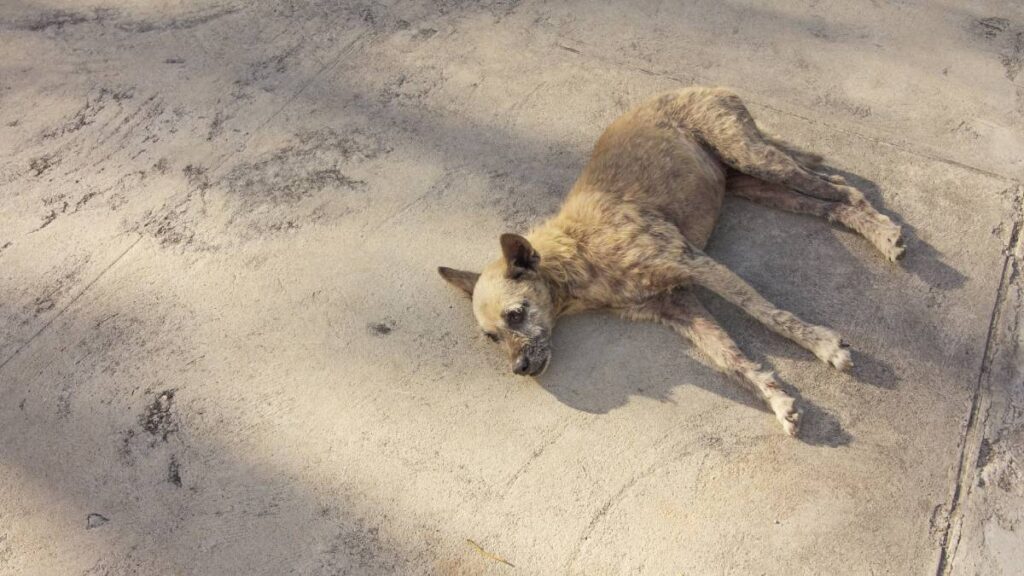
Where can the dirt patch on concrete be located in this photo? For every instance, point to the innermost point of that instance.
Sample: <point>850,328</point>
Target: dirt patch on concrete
<point>1007,37</point>
<point>158,419</point>
<point>314,177</point>
<point>382,328</point>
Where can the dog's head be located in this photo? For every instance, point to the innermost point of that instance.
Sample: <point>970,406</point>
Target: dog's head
<point>513,304</point>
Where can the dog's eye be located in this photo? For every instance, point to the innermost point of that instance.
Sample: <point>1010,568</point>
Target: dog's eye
<point>491,336</point>
<point>514,316</point>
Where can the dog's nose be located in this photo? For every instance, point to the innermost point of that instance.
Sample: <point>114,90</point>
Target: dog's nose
<point>522,365</point>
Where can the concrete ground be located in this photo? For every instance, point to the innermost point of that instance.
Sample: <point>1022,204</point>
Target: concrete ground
<point>224,348</point>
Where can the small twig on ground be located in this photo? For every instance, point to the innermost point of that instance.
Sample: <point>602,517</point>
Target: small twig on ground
<point>489,555</point>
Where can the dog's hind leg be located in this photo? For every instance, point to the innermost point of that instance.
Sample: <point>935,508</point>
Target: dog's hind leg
<point>862,218</point>
<point>720,119</point>
<point>682,312</point>
<point>805,158</point>
<point>697,267</point>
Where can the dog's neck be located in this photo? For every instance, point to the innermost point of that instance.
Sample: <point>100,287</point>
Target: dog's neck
<point>562,265</point>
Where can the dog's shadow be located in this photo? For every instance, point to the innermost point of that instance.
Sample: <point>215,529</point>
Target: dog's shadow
<point>825,268</point>
<point>867,369</point>
<point>612,374</point>
<point>922,260</point>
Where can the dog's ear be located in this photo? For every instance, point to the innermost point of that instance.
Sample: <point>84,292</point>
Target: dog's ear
<point>521,257</point>
<point>461,279</point>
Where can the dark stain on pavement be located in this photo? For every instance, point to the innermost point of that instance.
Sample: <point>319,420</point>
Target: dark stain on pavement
<point>158,419</point>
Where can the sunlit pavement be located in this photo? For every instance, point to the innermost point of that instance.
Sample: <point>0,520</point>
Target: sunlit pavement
<point>224,348</point>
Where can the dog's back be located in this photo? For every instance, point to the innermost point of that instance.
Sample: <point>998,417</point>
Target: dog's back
<point>648,160</point>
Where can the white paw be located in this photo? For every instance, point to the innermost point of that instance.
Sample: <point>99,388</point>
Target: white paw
<point>830,349</point>
<point>841,360</point>
<point>883,233</point>
<point>786,412</point>
<point>890,241</point>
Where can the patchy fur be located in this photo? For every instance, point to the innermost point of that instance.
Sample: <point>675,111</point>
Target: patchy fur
<point>630,235</point>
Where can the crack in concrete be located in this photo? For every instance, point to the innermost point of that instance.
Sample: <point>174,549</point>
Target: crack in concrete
<point>900,147</point>
<point>69,304</point>
<point>619,496</point>
<point>547,442</point>
<point>694,79</point>
<point>603,511</point>
<point>971,439</point>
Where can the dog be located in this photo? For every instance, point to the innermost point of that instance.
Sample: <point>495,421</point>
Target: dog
<point>630,237</point>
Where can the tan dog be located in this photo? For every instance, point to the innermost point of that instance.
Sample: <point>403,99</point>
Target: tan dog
<point>630,236</point>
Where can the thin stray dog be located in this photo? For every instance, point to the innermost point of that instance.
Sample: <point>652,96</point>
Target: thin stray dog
<point>630,234</point>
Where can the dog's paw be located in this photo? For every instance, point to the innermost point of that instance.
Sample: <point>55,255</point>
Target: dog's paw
<point>787,414</point>
<point>889,241</point>
<point>841,360</point>
<point>884,234</point>
<point>832,350</point>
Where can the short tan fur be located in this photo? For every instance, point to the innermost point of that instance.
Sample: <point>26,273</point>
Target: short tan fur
<point>631,233</point>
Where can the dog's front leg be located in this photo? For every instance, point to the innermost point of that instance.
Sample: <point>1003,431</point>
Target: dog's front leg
<point>697,267</point>
<point>687,316</point>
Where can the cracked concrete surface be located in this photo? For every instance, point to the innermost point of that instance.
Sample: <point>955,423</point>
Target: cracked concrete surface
<point>224,348</point>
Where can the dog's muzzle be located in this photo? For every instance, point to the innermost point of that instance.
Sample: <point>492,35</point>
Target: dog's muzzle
<point>533,359</point>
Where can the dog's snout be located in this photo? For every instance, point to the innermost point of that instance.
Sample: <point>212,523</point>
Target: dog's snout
<point>522,365</point>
